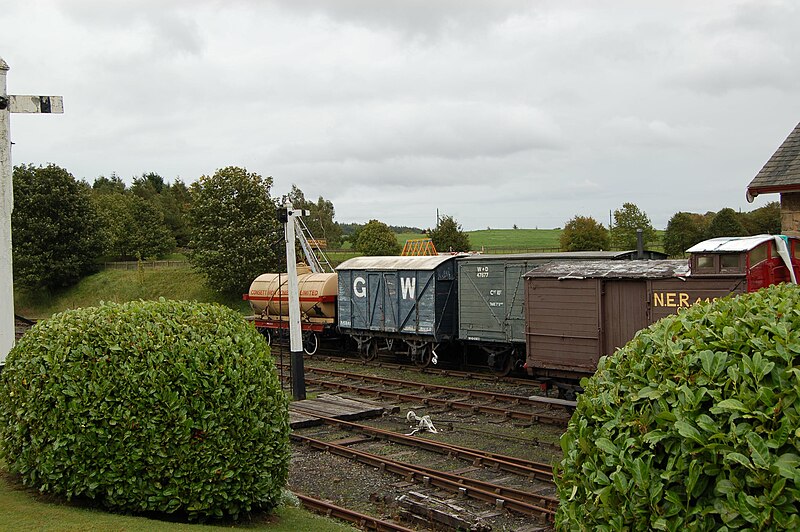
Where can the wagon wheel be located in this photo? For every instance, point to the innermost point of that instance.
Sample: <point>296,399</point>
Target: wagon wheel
<point>367,347</point>
<point>370,351</point>
<point>421,353</point>
<point>424,357</point>
<point>310,342</point>
<point>265,333</point>
<point>500,362</point>
<point>503,365</point>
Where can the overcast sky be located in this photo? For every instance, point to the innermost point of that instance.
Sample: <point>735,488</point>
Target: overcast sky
<point>497,112</point>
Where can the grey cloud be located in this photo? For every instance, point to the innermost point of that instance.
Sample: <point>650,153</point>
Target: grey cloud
<point>497,112</point>
<point>419,19</point>
<point>392,131</point>
<point>752,46</point>
<point>161,28</point>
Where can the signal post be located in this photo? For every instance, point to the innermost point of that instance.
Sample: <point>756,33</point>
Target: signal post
<point>286,215</point>
<point>8,105</point>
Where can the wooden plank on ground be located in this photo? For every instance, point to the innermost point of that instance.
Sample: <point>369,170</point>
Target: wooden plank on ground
<point>298,420</point>
<point>553,401</point>
<point>337,407</point>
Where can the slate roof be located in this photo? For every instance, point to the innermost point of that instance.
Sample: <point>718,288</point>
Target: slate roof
<point>612,269</point>
<point>782,171</point>
<point>565,255</point>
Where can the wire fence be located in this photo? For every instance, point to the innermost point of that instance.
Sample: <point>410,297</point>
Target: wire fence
<point>145,264</point>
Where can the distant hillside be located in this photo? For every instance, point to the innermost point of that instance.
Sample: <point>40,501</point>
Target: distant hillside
<point>349,229</point>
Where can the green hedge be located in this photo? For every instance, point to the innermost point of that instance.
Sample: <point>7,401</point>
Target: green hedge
<point>695,424</point>
<point>150,406</point>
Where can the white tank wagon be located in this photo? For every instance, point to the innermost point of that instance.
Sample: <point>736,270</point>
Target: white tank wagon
<point>269,299</point>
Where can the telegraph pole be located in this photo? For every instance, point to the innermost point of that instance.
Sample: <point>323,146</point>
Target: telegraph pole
<point>286,215</point>
<point>12,104</point>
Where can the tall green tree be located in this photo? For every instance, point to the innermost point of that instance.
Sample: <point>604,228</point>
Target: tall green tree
<point>148,185</point>
<point>448,235</point>
<point>235,232</point>
<point>684,230</point>
<point>320,220</point>
<point>133,227</point>
<point>725,223</point>
<point>108,185</point>
<point>174,202</point>
<point>627,220</point>
<point>55,231</point>
<point>764,220</point>
<point>584,233</point>
<point>375,238</point>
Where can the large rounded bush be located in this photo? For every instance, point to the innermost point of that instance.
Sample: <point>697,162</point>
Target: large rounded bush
<point>148,406</point>
<point>695,424</point>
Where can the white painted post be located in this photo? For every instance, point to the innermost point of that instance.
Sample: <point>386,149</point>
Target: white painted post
<point>6,204</point>
<point>295,332</point>
<point>8,105</point>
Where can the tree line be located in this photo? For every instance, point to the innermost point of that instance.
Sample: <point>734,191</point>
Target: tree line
<point>684,229</point>
<point>226,223</point>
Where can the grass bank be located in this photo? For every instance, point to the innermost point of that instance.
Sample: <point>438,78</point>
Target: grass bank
<point>124,285</point>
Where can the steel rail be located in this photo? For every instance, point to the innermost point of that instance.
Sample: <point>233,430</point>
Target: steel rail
<point>362,520</point>
<point>513,499</point>
<point>518,466</point>
<point>490,395</point>
<point>447,403</point>
<point>464,374</point>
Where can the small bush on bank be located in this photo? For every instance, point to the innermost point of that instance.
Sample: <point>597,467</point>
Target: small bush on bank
<point>695,424</point>
<point>149,406</point>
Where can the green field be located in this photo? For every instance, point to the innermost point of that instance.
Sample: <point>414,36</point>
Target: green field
<point>514,240</point>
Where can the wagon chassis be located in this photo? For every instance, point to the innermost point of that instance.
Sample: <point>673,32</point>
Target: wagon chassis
<point>420,350</point>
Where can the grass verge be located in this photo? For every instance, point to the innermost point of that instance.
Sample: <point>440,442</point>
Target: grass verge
<point>24,509</point>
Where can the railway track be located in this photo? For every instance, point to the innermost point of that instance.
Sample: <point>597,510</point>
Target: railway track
<point>444,372</point>
<point>515,500</point>
<point>433,400</point>
<point>359,519</point>
<point>510,500</point>
<point>342,354</point>
<point>468,392</point>
<point>518,466</point>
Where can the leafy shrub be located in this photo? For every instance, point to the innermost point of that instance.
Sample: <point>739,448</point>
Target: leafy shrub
<point>694,424</point>
<point>148,406</point>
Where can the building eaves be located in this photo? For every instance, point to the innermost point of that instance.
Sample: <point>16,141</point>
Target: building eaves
<point>781,173</point>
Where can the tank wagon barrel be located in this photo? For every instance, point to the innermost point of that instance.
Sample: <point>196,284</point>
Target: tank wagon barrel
<point>269,299</point>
